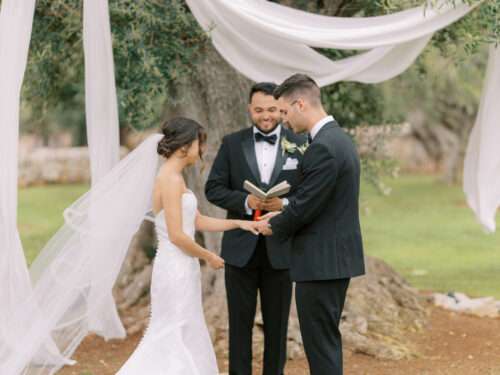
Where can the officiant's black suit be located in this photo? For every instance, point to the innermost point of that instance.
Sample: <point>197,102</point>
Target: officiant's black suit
<point>323,221</point>
<point>253,263</point>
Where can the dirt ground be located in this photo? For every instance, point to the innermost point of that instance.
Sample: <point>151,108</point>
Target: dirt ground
<point>453,344</point>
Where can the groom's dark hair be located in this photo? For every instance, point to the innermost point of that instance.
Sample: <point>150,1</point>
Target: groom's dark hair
<point>299,85</point>
<point>267,88</point>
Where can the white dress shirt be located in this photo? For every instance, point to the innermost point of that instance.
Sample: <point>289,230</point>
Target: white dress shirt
<point>266,158</point>
<point>317,127</point>
<point>266,154</point>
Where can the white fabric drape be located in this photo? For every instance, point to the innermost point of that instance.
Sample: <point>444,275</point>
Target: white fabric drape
<point>40,327</point>
<point>268,42</point>
<point>482,161</point>
<point>100,91</point>
<point>16,19</point>
<point>102,127</point>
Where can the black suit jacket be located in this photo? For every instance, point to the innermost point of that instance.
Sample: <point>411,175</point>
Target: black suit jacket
<point>236,162</point>
<point>323,215</point>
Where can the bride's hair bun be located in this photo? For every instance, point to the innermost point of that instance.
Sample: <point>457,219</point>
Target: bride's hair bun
<point>179,132</point>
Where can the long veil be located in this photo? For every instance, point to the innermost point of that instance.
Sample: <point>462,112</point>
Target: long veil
<point>75,272</point>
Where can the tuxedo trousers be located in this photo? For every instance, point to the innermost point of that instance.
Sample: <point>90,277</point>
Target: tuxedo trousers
<point>243,285</point>
<point>319,307</point>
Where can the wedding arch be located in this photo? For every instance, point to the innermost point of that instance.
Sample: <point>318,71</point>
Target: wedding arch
<point>44,318</point>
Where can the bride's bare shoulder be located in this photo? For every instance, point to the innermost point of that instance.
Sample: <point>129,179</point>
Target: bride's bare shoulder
<point>169,179</point>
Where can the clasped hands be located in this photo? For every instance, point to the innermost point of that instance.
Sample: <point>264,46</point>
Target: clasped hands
<point>272,205</point>
<point>262,225</point>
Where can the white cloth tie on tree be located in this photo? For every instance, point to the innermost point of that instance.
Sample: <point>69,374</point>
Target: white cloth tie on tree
<point>268,42</point>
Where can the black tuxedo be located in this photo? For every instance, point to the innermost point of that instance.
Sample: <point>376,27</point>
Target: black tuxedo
<point>236,162</point>
<point>254,264</point>
<point>323,221</point>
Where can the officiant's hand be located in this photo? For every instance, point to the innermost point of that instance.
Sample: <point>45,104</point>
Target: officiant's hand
<point>272,204</point>
<point>255,203</point>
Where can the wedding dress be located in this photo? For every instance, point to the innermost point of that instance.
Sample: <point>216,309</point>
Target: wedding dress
<point>177,341</point>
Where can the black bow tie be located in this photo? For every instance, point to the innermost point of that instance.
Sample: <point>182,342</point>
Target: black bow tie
<point>309,138</point>
<point>271,139</point>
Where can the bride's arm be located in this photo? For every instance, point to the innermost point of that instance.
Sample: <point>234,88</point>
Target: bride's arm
<point>171,196</point>
<point>211,224</point>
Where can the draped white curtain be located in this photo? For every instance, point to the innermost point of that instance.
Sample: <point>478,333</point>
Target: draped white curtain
<point>102,128</point>
<point>15,20</point>
<point>482,160</point>
<point>268,42</point>
<point>26,322</point>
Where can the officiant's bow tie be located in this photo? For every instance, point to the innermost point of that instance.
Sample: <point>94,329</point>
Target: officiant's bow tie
<point>271,139</point>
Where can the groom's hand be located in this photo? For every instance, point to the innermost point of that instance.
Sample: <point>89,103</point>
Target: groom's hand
<point>269,216</point>
<point>263,228</point>
<point>273,204</point>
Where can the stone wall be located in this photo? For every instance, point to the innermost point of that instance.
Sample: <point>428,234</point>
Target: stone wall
<point>44,165</point>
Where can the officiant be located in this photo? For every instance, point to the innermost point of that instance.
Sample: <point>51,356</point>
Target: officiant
<point>265,154</point>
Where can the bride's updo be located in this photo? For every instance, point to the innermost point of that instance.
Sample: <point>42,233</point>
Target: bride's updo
<point>179,132</point>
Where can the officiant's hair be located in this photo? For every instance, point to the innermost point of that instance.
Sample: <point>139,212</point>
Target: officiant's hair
<point>299,85</point>
<point>266,88</point>
<point>179,132</point>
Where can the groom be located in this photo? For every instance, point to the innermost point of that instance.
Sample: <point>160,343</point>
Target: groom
<point>256,264</point>
<point>322,218</point>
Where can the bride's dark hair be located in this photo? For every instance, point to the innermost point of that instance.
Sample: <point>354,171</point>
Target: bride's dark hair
<point>179,132</point>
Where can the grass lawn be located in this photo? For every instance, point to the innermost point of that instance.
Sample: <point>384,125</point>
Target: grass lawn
<point>40,213</point>
<point>423,229</point>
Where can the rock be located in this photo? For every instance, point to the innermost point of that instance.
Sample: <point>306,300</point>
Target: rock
<point>459,302</point>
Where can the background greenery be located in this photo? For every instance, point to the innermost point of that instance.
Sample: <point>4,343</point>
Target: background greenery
<point>156,43</point>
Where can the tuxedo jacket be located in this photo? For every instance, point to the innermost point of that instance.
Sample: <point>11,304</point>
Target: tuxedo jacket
<point>322,217</point>
<point>236,162</point>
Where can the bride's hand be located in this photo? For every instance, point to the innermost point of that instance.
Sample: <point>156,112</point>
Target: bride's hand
<point>215,261</point>
<point>250,226</point>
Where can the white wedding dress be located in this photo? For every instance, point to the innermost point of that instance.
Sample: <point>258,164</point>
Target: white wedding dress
<point>177,341</point>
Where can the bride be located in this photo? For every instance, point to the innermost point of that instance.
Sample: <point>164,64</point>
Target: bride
<point>177,340</point>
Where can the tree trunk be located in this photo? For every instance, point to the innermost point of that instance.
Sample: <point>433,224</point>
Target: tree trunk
<point>380,308</point>
<point>445,142</point>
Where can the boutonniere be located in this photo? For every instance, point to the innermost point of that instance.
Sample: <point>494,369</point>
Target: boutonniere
<point>290,147</point>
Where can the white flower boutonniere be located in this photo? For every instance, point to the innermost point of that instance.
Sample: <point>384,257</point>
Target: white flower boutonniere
<point>290,147</point>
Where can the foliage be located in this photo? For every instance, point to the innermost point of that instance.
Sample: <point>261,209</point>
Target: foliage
<point>154,43</point>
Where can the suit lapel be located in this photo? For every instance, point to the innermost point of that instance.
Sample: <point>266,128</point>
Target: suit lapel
<point>249,151</point>
<point>280,160</point>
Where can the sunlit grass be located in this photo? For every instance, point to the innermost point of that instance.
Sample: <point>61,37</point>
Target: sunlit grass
<point>425,230</point>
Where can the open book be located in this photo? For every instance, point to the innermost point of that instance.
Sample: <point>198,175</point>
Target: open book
<point>276,191</point>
